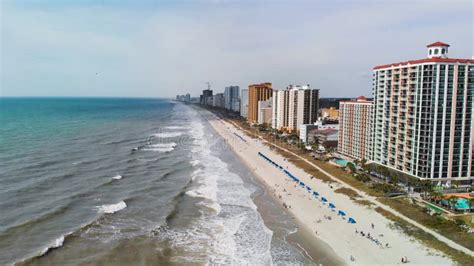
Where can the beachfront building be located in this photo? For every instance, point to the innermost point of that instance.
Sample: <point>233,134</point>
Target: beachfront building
<point>354,128</point>
<point>295,106</point>
<point>422,116</point>
<point>244,103</point>
<point>327,138</point>
<point>231,96</point>
<point>304,130</point>
<point>206,97</point>
<point>218,100</point>
<point>265,112</point>
<point>257,92</point>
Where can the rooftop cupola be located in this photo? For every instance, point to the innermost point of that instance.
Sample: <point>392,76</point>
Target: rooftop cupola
<point>438,49</point>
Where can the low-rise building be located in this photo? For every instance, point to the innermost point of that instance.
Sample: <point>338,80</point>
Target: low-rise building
<point>325,137</point>
<point>304,130</point>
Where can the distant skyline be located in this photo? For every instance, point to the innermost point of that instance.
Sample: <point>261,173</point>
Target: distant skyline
<point>164,48</point>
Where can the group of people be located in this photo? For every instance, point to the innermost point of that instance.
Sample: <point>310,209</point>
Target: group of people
<point>372,238</point>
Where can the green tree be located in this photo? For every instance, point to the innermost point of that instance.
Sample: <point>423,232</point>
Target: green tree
<point>351,167</point>
<point>452,202</point>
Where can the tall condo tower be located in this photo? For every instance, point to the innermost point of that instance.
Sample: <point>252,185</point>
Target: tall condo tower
<point>422,117</point>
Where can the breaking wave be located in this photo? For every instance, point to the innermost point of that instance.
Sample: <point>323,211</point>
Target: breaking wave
<point>112,208</point>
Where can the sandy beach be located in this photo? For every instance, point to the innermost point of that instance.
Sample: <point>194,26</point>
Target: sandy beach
<point>372,240</point>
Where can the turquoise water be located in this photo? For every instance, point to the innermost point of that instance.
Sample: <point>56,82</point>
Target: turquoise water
<point>342,162</point>
<point>462,204</point>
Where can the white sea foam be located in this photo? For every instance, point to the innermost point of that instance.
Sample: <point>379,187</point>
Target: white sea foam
<point>239,237</point>
<point>167,134</point>
<point>112,208</point>
<point>176,127</point>
<point>58,242</point>
<point>160,149</point>
<point>163,145</point>
<point>117,177</point>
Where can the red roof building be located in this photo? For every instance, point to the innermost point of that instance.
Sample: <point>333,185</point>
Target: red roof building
<point>423,121</point>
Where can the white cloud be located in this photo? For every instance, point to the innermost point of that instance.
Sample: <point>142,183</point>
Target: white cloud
<point>162,51</point>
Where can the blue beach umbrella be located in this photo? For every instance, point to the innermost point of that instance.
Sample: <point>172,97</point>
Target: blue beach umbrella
<point>342,213</point>
<point>315,193</point>
<point>324,199</point>
<point>332,206</point>
<point>351,220</point>
<point>308,188</point>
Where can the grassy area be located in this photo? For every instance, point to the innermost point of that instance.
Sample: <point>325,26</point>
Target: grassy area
<point>427,239</point>
<point>447,228</point>
<point>467,218</point>
<point>349,192</point>
<point>364,203</point>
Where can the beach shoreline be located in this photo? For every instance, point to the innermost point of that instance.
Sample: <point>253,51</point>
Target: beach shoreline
<point>372,234</point>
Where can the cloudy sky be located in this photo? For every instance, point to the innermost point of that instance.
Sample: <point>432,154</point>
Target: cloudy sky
<point>162,48</point>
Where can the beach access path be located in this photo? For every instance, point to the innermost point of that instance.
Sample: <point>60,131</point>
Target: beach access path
<point>351,242</point>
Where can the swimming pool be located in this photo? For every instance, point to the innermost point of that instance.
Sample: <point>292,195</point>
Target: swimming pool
<point>462,204</point>
<point>341,162</point>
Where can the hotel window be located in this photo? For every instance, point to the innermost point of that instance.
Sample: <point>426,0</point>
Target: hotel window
<point>436,51</point>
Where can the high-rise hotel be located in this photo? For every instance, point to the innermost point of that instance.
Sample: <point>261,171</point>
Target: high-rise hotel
<point>295,106</point>
<point>257,92</point>
<point>354,128</point>
<point>422,116</point>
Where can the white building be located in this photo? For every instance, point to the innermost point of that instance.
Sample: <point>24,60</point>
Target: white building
<point>423,122</point>
<point>295,106</point>
<point>244,103</point>
<point>304,130</point>
<point>265,112</point>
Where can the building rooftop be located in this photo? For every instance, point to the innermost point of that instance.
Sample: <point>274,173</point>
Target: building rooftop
<point>435,55</point>
<point>437,44</point>
<point>325,131</point>
<point>427,60</point>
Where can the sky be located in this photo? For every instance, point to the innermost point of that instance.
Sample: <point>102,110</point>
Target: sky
<point>164,48</point>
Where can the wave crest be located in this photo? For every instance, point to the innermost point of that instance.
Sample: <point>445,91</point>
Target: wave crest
<point>168,134</point>
<point>112,208</point>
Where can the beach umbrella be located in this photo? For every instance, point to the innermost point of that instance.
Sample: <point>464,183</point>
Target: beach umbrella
<point>351,220</point>
<point>324,199</point>
<point>342,213</point>
<point>308,188</point>
<point>332,206</point>
<point>315,193</point>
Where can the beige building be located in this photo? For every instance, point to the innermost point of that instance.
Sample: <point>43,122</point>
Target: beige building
<point>330,113</point>
<point>354,128</point>
<point>257,92</point>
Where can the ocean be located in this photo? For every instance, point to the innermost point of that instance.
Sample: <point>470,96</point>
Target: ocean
<point>129,181</point>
